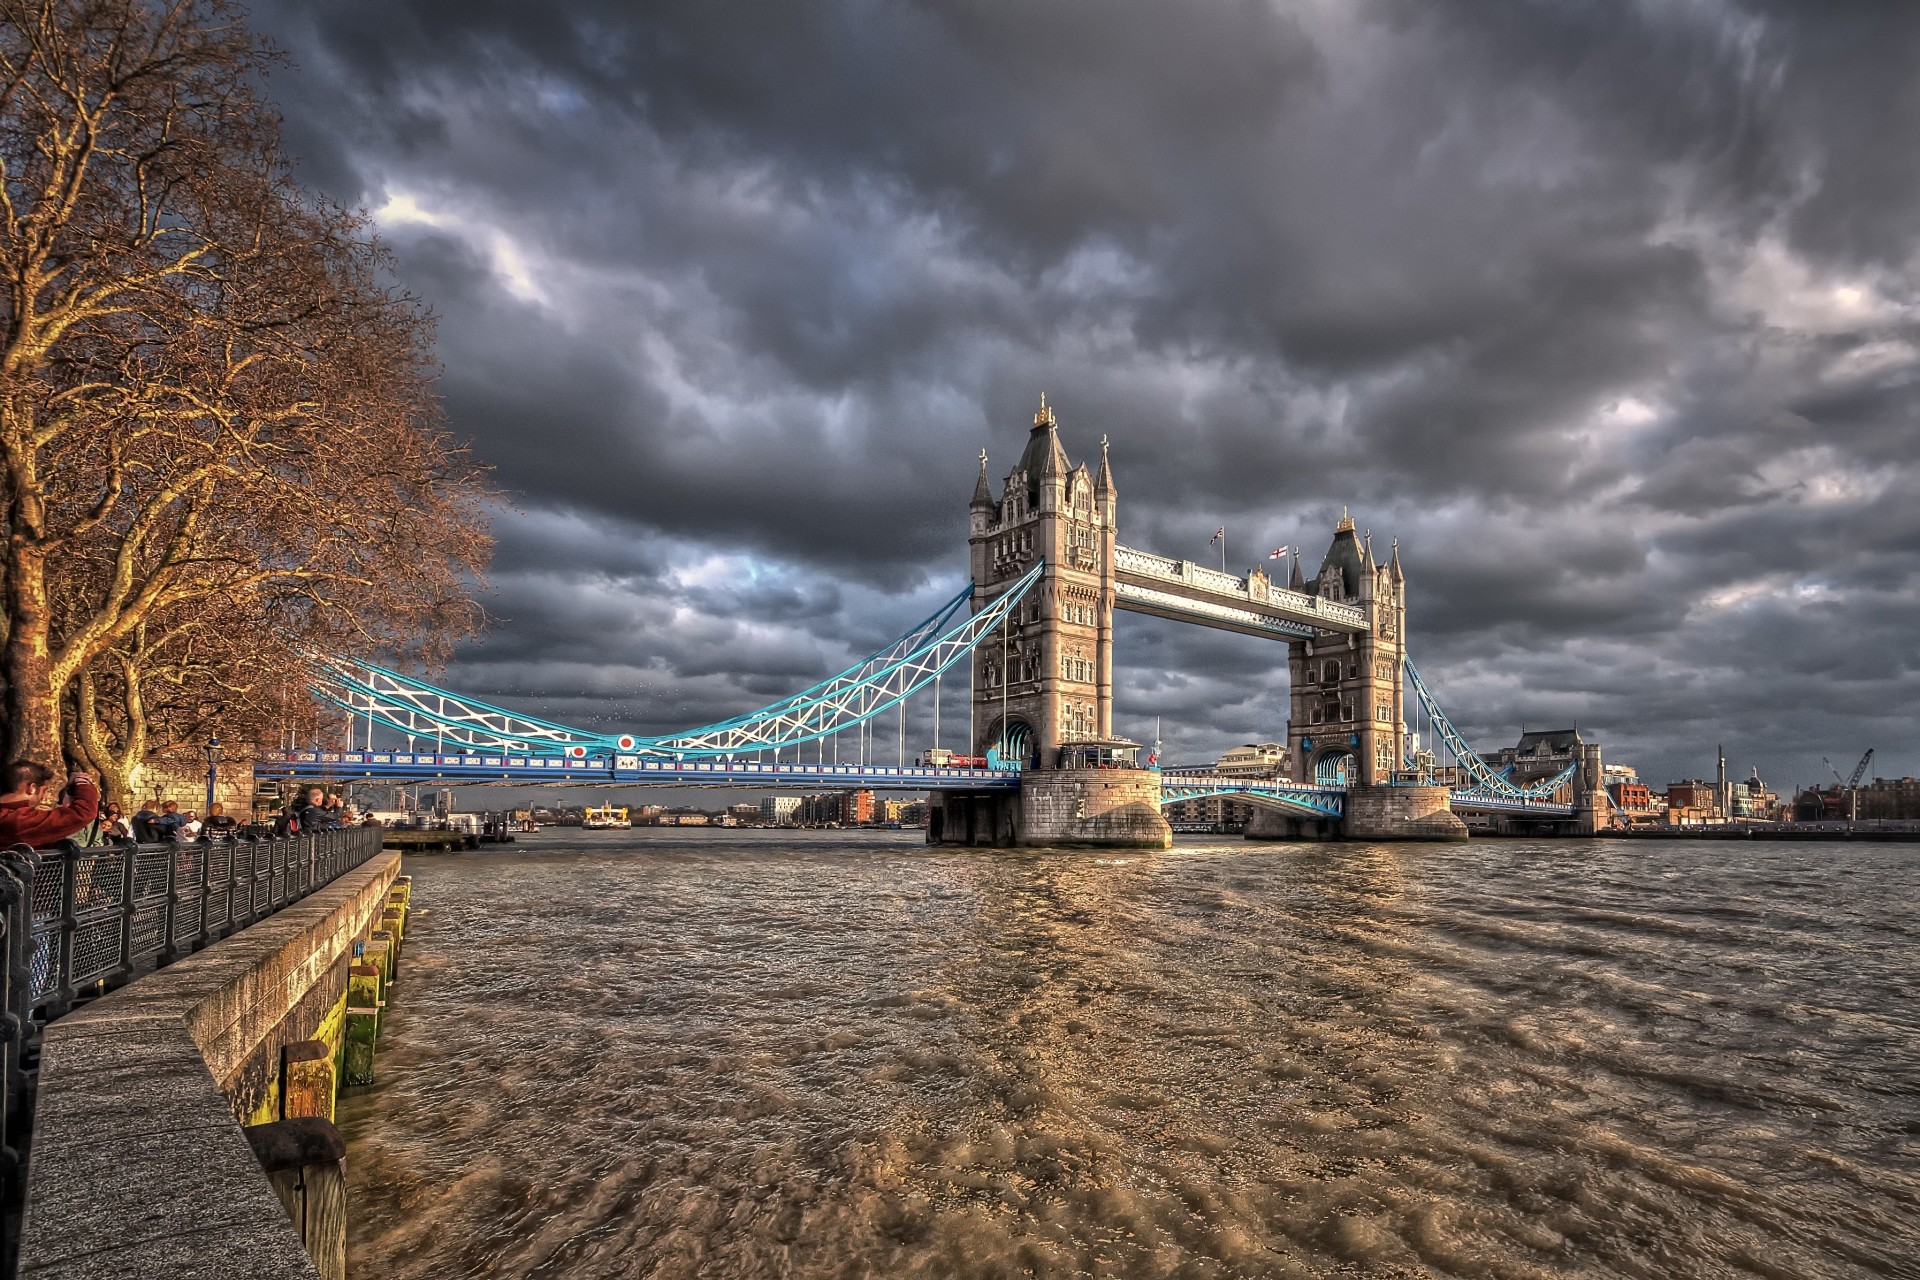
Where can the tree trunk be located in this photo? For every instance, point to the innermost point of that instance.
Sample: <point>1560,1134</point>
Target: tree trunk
<point>33,705</point>
<point>118,769</point>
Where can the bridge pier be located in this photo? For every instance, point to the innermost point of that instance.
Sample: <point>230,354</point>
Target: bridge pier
<point>989,818</point>
<point>1371,813</point>
<point>1057,808</point>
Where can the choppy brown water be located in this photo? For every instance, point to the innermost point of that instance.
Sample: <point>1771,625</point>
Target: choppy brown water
<point>756,1055</point>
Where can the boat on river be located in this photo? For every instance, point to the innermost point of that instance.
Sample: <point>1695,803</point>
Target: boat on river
<point>606,817</point>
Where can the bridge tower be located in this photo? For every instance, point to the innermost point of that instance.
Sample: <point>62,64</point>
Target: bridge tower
<point>1043,688</point>
<point>1348,721</point>
<point>1051,679</point>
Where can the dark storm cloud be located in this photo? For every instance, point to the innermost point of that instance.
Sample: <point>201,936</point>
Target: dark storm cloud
<point>1607,310</point>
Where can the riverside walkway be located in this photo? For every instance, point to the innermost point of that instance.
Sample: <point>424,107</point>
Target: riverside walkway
<point>182,1017</point>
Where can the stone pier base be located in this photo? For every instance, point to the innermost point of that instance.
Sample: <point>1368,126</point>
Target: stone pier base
<point>1402,813</point>
<point>1372,813</point>
<point>1105,808</point>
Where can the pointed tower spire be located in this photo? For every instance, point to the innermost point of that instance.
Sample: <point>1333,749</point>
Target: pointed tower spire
<point>1103,480</point>
<point>1043,458</point>
<point>1055,463</point>
<point>1366,551</point>
<point>1294,580</point>
<point>982,495</point>
<point>1393,565</point>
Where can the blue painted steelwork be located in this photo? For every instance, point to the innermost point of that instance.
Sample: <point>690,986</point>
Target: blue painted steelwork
<point>868,688</point>
<point>1488,786</point>
<point>621,769</point>
<point>1295,797</point>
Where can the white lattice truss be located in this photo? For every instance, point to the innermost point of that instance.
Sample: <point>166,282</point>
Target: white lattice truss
<point>876,684</point>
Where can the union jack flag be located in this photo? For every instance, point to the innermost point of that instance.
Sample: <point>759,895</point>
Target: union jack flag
<point>1218,534</point>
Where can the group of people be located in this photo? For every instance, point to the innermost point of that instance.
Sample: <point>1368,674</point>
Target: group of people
<point>78,814</point>
<point>168,822</point>
<point>315,809</point>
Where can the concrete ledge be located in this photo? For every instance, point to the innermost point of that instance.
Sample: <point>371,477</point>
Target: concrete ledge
<point>139,1167</point>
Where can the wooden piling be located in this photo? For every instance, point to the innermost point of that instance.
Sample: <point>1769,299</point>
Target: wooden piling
<point>379,951</point>
<point>306,1080</point>
<point>306,1163</point>
<point>394,921</point>
<point>364,1002</point>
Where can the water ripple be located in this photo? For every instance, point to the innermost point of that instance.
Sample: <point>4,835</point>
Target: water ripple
<point>760,1054</point>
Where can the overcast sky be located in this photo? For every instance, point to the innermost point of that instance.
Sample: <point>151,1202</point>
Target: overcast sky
<point>1608,310</point>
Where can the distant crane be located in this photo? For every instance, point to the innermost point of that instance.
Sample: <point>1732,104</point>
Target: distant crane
<point>1851,785</point>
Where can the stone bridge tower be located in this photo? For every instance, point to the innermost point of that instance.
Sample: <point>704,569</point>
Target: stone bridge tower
<point>1044,685</point>
<point>1052,680</point>
<point>1348,721</point>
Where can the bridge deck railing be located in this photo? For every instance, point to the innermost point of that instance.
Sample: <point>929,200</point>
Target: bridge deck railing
<point>81,921</point>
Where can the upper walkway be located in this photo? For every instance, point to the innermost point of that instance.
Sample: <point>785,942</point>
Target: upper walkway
<point>1253,605</point>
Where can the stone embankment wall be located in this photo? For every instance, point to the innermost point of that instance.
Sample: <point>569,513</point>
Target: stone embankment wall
<point>140,1166</point>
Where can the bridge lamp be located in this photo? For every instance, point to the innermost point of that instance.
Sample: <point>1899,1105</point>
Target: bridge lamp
<point>213,751</point>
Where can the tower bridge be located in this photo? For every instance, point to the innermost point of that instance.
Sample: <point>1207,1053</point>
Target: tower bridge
<point>1043,767</point>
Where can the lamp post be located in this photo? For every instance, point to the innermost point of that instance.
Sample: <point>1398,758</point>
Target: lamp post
<point>213,768</point>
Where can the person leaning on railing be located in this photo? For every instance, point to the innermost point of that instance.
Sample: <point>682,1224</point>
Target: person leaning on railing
<point>218,825</point>
<point>24,819</point>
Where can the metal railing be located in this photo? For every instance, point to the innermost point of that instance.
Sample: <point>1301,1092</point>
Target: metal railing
<point>81,921</point>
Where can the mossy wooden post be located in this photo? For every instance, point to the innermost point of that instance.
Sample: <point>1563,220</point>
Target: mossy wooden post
<point>306,1164</point>
<point>363,1024</point>
<point>394,921</point>
<point>379,951</point>
<point>306,1080</point>
<point>402,885</point>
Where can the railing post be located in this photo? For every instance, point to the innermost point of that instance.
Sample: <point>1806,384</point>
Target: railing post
<point>233,883</point>
<point>60,981</point>
<point>128,864</point>
<point>16,882</point>
<point>173,901</point>
<point>206,883</point>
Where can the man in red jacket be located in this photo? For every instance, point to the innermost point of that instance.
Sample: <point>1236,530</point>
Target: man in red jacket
<point>23,821</point>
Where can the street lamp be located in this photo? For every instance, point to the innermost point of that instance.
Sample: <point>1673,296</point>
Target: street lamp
<point>213,768</point>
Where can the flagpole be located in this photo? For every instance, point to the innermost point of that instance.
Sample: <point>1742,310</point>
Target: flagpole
<point>1223,548</point>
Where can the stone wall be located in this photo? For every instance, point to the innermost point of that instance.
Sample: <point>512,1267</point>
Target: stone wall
<point>139,1166</point>
<point>1102,807</point>
<point>1372,813</point>
<point>1401,813</point>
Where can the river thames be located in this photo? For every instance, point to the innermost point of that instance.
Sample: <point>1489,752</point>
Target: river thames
<point>766,1054</point>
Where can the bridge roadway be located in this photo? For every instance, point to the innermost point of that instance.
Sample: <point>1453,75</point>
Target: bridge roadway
<point>422,767</point>
<point>632,770</point>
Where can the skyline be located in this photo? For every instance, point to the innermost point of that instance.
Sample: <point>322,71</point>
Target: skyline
<point>1609,316</point>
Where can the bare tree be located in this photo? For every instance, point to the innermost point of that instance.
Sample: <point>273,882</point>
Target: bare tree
<point>212,403</point>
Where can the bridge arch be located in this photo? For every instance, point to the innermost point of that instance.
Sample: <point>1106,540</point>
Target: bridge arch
<point>1022,744</point>
<point>1334,767</point>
